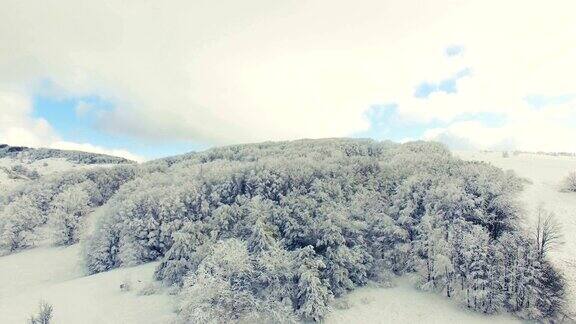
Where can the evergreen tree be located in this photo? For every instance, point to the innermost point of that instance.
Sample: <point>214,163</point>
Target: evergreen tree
<point>262,237</point>
<point>313,295</point>
<point>178,260</point>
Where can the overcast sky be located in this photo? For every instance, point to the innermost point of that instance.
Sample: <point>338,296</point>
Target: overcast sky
<point>144,79</point>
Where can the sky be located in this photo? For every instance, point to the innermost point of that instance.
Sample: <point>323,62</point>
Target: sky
<point>146,79</point>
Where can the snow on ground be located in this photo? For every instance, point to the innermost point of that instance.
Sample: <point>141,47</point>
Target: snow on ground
<point>545,173</point>
<point>55,275</point>
<point>44,166</point>
<point>50,165</point>
<point>405,304</point>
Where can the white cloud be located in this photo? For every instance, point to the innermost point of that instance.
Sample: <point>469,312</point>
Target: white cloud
<point>239,71</point>
<point>16,125</point>
<point>550,130</point>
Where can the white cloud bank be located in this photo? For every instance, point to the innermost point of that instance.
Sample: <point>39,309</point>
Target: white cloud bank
<point>237,71</point>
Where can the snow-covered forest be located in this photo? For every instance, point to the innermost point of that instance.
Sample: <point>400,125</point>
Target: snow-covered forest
<point>278,231</point>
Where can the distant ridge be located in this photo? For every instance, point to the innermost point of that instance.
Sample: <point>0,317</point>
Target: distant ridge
<point>35,154</point>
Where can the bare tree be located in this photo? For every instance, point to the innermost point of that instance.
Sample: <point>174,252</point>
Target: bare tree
<point>548,232</point>
<point>44,314</point>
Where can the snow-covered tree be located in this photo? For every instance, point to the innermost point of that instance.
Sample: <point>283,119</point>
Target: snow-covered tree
<point>19,222</point>
<point>476,261</point>
<point>292,224</point>
<point>262,237</point>
<point>180,258</point>
<point>495,294</point>
<point>68,215</point>
<point>220,290</point>
<point>312,295</point>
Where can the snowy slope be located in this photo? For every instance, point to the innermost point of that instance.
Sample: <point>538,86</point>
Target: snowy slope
<point>545,173</point>
<point>43,167</point>
<point>46,162</point>
<point>404,304</point>
<point>55,275</point>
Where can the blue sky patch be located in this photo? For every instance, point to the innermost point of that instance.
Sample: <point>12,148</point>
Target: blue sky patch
<point>386,123</point>
<point>74,119</point>
<point>449,85</point>
<point>540,101</point>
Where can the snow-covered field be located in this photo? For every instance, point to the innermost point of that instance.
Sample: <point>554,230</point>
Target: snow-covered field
<point>56,275</point>
<point>545,172</point>
<point>404,304</point>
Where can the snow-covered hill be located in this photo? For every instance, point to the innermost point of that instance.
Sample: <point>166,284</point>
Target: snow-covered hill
<point>60,276</point>
<point>19,165</point>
